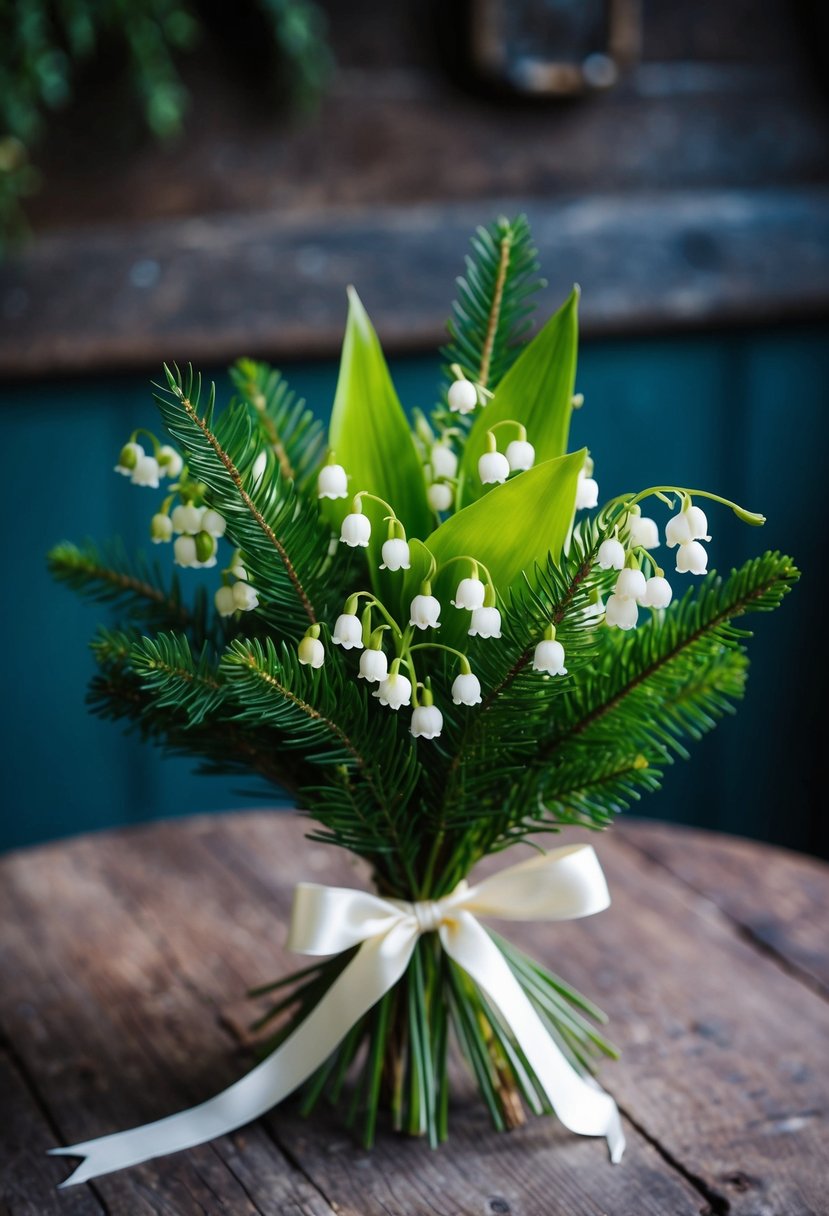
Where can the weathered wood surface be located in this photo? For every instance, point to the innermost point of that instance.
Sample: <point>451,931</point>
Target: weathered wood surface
<point>124,959</point>
<point>213,288</point>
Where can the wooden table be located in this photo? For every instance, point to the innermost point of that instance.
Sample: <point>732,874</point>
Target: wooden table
<point>125,958</point>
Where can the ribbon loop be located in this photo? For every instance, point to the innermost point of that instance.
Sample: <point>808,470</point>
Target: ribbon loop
<point>563,884</point>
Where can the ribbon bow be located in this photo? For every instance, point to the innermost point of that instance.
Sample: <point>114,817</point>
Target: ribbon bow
<point>564,884</point>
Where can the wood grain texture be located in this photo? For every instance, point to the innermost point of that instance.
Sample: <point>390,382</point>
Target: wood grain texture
<point>124,959</point>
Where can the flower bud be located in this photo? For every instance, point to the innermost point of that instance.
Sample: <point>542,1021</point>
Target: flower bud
<point>332,482</point>
<point>462,396</point>
<point>311,652</point>
<point>224,601</point>
<point>356,530</point>
<point>611,555</point>
<point>444,461</point>
<point>691,558</point>
<point>520,455</point>
<point>245,597</point>
<point>485,623</point>
<point>348,631</point>
<point>549,658</point>
<point>470,594</point>
<point>424,612</point>
<point>427,722</point>
<point>394,691</point>
<point>169,461</point>
<point>161,528</point>
<point>466,689</point>
<point>493,468</point>
<point>374,666</point>
<point>395,555</point>
<point>439,496</point>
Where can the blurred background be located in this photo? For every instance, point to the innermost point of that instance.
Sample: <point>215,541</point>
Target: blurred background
<point>198,181</point>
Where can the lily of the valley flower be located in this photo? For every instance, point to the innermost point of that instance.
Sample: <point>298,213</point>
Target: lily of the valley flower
<point>631,585</point>
<point>169,461</point>
<point>689,525</point>
<point>424,611</point>
<point>205,549</point>
<point>485,623</point>
<point>395,555</point>
<point>224,601</point>
<point>493,468</point>
<point>348,631</point>
<point>355,530</point>
<point>311,652</point>
<point>621,612</point>
<point>520,455</point>
<point>332,482</point>
<point>145,472</point>
<point>427,722</point>
<point>644,533</point>
<point>443,460</point>
<point>691,558</point>
<point>394,691</point>
<point>187,519</point>
<point>587,492</point>
<point>549,657</point>
<point>245,597</point>
<point>129,456</point>
<point>611,555</point>
<point>658,592</point>
<point>184,551</point>
<point>374,666</point>
<point>470,594</point>
<point>466,689</point>
<point>462,396</point>
<point>161,528</point>
<point>213,522</point>
<point>439,496</point>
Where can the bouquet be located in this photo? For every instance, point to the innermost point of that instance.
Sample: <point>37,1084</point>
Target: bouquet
<point>434,637</point>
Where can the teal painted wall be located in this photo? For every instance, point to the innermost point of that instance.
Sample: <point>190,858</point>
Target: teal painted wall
<point>744,413</point>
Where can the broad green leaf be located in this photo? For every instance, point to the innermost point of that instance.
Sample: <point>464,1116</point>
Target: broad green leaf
<point>371,437</point>
<point>509,530</point>
<point>536,391</point>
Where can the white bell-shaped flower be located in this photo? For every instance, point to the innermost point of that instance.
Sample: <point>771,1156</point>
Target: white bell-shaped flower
<point>184,551</point>
<point>631,585</point>
<point>395,555</point>
<point>239,571</point>
<point>443,460</point>
<point>621,612</point>
<point>311,652</point>
<point>470,594</point>
<point>348,631</point>
<point>644,532</point>
<point>424,612</point>
<point>332,482</point>
<point>169,461</point>
<point>466,689</point>
<point>129,456</point>
<point>224,601</point>
<point>658,593</point>
<point>439,496</point>
<point>161,528</point>
<point>493,468</point>
<point>355,530</point>
<point>187,519</point>
<point>245,597</point>
<point>462,396</point>
<point>520,455</point>
<point>394,691</point>
<point>146,472</point>
<point>690,524</point>
<point>485,623</point>
<point>213,522</point>
<point>691,558</point>
<point>587,492</point>
<point>427,722</point>
<point>611,555</point>
<point>549,658</point>
<point>374,666</point>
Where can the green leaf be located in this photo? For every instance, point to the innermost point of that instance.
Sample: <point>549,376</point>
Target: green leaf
<point>536,391</point>
<point>510,530</point>
<point>371,437</point>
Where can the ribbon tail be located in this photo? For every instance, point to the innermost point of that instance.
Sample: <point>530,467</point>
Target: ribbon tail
<point>579,1102</point>
<point>377,966</point>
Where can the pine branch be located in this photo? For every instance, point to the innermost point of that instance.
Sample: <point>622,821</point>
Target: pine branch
<point>175,679</point>
<point>292,431</point>
<point>133,586</point>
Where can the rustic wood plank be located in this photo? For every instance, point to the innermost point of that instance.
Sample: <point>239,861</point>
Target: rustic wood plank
<point>111,1037</point>
<point>211,289</point>
<point>780,898</point>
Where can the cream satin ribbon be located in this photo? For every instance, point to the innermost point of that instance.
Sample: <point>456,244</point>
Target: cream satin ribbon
<point>563,884</point>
